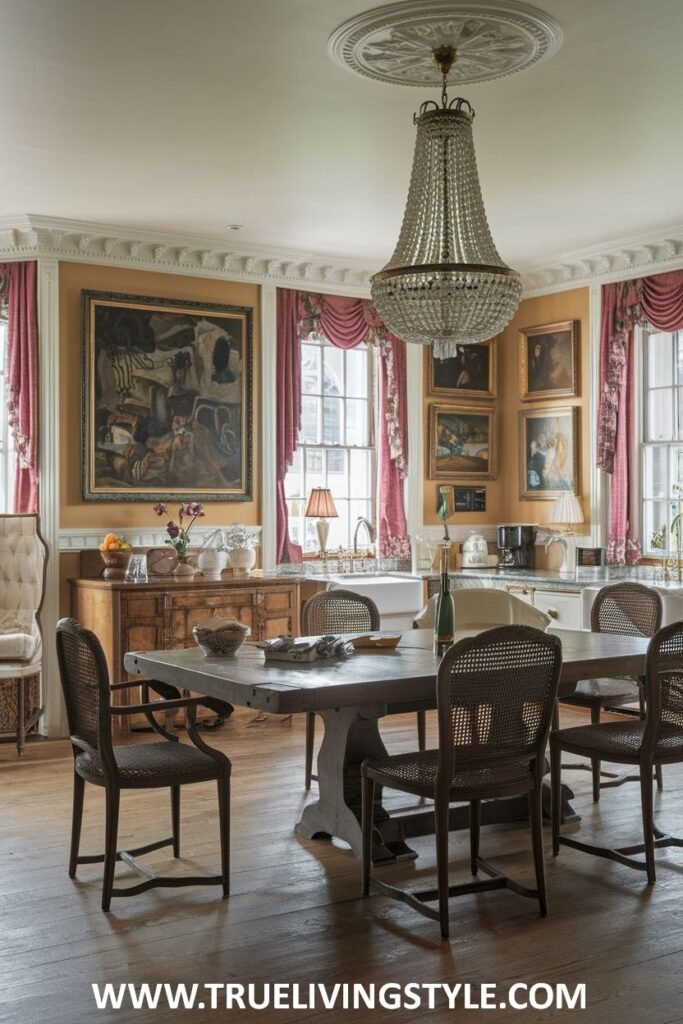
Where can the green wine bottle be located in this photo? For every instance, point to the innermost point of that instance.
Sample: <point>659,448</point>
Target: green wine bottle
<point>444,619</point>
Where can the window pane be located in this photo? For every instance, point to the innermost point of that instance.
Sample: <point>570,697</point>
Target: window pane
<point>337,473</point>
<point>656,483</point>
<point>310,369</point>
<point>356,421</point>
<point>310,421</point>
<point>657,517</point>
<point>333,421</point>
<point>315,469</point>
<point>659,359</point>
<point>679,358</point>
<point>333,375</point>
<point>661,421</point>
<point>357,372</point>
<point>360,474</point>
<point>679,399</point>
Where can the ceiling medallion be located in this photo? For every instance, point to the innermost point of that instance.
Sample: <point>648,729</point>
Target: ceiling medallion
<point>492,39</point>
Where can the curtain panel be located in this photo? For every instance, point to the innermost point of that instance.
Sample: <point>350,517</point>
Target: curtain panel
<point>345,322</point>
<point>18,291</point>
<point>649,302</point>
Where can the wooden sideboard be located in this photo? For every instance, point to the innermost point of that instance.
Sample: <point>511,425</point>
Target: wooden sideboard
<point>160,615</point>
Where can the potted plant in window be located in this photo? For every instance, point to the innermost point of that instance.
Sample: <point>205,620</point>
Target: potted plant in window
<point>179,535</point>
<point>240,545</point>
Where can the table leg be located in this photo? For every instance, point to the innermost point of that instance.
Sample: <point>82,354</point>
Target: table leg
<point>351,735</point>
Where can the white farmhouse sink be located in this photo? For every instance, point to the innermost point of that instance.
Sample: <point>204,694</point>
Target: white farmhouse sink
<point>397,597</point>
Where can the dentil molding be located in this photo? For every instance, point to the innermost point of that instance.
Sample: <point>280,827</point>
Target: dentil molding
<point>31,236</point>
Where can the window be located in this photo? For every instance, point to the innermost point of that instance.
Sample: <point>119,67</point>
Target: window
<point>8,457</point>
<point>662,447</point>
<point>336,442</point>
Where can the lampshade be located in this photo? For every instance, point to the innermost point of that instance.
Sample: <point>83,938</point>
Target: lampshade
<point>567,509</point>
<point>321,504</point>
<point>445,284</point>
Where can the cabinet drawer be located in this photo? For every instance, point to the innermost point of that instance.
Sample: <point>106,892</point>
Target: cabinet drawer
<point>563,608</point>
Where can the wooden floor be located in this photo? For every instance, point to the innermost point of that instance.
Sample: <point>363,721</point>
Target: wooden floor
<point>295,914</point>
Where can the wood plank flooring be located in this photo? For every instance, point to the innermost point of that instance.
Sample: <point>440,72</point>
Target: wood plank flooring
<point>295,914</point>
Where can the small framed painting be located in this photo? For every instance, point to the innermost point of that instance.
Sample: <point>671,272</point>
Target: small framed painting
<point>470,499</point>
<point>471,373</point>
<point>167,399</point>
<point>548,362</point>
<point>462,442</point>
<point>548,452</point>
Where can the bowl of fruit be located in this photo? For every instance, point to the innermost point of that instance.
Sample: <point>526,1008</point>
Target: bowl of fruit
<point>115,553</point>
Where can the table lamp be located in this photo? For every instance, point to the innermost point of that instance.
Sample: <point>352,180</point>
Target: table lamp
<point>566,511</point>
<point>321,507</point>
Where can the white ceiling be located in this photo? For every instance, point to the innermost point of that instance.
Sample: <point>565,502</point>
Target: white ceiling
<point>183,116</point>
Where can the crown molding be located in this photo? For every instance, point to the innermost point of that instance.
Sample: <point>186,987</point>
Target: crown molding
<point>616,261</point>
<point>33,236</point>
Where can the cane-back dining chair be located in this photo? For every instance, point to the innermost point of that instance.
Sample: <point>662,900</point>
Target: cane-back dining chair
<point>629,609</point>
<point>167,763</point>
<point>648,743</point>
<point>495,698</point>
<point>334,611</point>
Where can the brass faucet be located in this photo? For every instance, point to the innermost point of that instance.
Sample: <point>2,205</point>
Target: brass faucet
<point>362,521</point>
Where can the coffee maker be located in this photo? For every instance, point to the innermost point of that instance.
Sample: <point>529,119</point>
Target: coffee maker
<point>516,544</point>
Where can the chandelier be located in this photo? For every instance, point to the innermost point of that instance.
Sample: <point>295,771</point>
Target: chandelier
<point>445,284</point>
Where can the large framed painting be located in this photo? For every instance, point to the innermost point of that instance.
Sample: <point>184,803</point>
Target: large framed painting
<point>167,399</point>
<point>548,452</point>
<point>548,361</point>
<point>471,373</point>
<point>462,442</point>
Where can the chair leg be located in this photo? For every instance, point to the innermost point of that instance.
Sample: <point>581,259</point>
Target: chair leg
<point>556,793</point>
<point>475,828</point>
<point>224,825</point>
<point>641,703</point>
<point>111,835</point>
<point>421,730</point>
<point>175,819</point>
<point>310,740</point>
<point>536,823</point>
<point>660,778</point>
<point>648,821</point>
<point>595,763</point>
<point>368,805</point>
<point>21,715</point>
<point>76,820</point>
<point>441,828</point>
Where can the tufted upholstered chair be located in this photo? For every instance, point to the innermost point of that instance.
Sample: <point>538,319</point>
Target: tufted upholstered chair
<point>23,560</point>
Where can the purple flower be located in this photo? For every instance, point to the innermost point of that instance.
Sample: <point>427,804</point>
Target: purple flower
<point>196,509</point>
<point>159,508</point>
<point>172,530</point>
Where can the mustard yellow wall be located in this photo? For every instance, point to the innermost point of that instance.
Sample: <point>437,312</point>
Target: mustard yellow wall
<point>73,277</point>
<point>503,503</point>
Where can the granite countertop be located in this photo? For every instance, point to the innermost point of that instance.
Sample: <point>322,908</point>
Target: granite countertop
<point>551,578</point>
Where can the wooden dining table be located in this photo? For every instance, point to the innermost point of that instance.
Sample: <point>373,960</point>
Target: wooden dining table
<point>351,695</point>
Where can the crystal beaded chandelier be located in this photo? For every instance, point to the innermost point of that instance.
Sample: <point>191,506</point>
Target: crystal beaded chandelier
<point>445,284</point>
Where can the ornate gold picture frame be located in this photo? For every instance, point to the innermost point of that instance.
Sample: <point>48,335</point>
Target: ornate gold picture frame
<point>548,452</point>
<point>548,361</point>
<point>462,442</point>
<point>472,373</point>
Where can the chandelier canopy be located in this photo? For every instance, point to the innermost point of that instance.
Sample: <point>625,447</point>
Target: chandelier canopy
<point>445,284</point>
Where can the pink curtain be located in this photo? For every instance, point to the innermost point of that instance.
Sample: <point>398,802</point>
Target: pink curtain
<point>288,410</point>
<point>19,292</point>
<point>657,302</point>
<point>346,322</point>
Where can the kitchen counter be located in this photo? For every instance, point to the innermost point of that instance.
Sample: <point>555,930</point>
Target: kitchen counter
<point>551,578</point>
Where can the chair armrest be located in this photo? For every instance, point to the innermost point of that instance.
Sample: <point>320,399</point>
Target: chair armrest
<point>163,689</point>
<point>156,705</point>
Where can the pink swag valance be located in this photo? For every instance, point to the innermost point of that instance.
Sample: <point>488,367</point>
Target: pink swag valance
<point>650,302</point>
<point>18,282</point>
<point>345,322</point>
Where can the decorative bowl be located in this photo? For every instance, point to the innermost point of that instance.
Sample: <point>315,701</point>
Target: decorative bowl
<point>219,638</point>
<point>116,563</point>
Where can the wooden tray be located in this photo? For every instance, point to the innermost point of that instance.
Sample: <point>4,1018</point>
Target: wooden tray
<point>373,641</point>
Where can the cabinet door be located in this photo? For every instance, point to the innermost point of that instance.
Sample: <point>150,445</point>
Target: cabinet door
<point>276,612</point>
<point>563,607</point>
<point>188,608</point>
<point>143,623</point>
